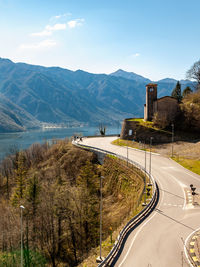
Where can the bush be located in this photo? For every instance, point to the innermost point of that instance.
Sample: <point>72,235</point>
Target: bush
<point>160,120</point>
<point>31,259</point>
<point>191,111</point>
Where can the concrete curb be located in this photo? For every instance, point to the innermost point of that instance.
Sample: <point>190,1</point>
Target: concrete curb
<point>193,251</point>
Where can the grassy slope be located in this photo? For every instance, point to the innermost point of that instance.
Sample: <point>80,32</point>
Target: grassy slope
<point>190,164</point>
<point>125,186</point>
<point>58,167</point>
<point>186,154</point>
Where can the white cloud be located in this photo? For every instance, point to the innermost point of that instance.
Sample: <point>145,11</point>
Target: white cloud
<point>135,55</point>
<point>42,33</point>
<point>37,46</point>
<point>50,29</point>
<point>61,16</point>
<point>75,23</point>
<point>56,27</point>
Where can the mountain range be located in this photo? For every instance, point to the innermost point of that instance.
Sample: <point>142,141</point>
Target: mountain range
<point>32,95</point>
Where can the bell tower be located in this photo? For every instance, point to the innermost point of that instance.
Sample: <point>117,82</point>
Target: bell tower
<point>151,96</point>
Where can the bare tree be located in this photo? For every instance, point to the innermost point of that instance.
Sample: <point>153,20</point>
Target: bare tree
<point>102,129</point>
<point>194,73</point>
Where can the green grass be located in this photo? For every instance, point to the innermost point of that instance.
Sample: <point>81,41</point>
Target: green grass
<point>136,145</point>
<point>190,164</point>
<point>137,119</point>
<point>121,142</point>
<point>150,125</point>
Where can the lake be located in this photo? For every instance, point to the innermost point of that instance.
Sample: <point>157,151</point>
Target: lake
<point>22,140</point>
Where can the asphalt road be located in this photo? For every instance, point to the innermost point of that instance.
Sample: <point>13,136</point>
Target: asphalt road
<point>158,241</point>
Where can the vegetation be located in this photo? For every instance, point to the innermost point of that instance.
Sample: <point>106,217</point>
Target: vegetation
<point>190,108</point>
<point>194,73</point>
<point>186,91</point>
<point>185,153</point>
<point>102,129</point>
<point>176,93</point>
<point>188,117</point>
<point>161,121</point>
<point>133,144</point>
<point>190,164</point>
<point>151,125</point>
<point>59,187</point>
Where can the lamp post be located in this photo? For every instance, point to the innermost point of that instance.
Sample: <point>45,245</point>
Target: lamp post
<point>145,169</point>
<point>127,152</point>
<point>22,207</point>
<point>172,139</point>
<point>101,204</point>
<point>151,138</point>
<point>145,174</point>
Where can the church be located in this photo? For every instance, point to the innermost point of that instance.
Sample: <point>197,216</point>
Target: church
<point>165,107</point>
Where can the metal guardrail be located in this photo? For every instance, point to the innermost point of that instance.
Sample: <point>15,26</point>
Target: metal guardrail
<point>136,220</point>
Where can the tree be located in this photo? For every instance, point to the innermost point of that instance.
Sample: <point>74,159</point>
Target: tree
<point>194,73</point>
<point>161,120</point>
<point>186,91</point>
<point>191,110</point>
<point>20,179</point>
<point>102,129</point>
<point>88,182</point>
<point>176,93</point>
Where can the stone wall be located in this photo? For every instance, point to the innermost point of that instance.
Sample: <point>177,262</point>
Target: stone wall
<point>133,130</point>
<point>128,130</point>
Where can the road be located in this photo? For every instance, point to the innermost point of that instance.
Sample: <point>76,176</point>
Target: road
<point>158,241</point>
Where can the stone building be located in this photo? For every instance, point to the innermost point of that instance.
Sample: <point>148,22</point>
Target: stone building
<point>166,107</point>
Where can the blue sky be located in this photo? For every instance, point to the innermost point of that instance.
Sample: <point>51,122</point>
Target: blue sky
<point>154,38</point>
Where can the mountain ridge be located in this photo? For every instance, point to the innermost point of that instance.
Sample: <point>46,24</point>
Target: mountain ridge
<point>57,95</point>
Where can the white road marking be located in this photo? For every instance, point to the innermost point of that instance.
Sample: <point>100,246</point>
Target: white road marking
<point>185,249</point>
<point>182,187</point>
<point>173,205</point>
<point>133,240</point>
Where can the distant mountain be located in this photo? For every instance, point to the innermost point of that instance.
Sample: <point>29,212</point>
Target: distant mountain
<point>165,86</point>
<point>130,75</point>
<point>31,95</point>
<point>167,80</point>
<point>13,118</point>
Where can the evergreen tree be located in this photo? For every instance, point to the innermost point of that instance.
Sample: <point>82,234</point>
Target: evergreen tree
<point>186,91</point>
<point>176,93</point>
<point>21,171</point>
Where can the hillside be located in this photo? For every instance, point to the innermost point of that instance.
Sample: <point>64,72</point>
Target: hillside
<point>59,187</point>
<point>56,95</point>
<point>13,118</point>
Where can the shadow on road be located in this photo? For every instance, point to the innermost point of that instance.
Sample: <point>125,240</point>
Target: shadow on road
<point>170,193</point>
<point>161,212</point>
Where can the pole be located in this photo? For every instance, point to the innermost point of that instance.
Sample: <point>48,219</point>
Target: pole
<point>150,161</point>
<point>145,166</point>
<point>101,215</point>
<point>172,139</point>
<point>21,207</point>
<point>127,152</point>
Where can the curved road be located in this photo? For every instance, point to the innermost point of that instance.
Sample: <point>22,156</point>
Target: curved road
<point>158,241</point>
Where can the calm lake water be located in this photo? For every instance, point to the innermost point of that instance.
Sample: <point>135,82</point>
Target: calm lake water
<point>10,141</point>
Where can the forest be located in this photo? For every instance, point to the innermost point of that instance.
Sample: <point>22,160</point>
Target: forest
<point>59,186</point>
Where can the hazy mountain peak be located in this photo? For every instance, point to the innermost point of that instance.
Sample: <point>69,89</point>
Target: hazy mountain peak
<point>168,80</point>
<point>5,60</point>
<point>130,76</point>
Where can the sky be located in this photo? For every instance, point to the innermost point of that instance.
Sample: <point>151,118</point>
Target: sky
<point>154,38</point>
